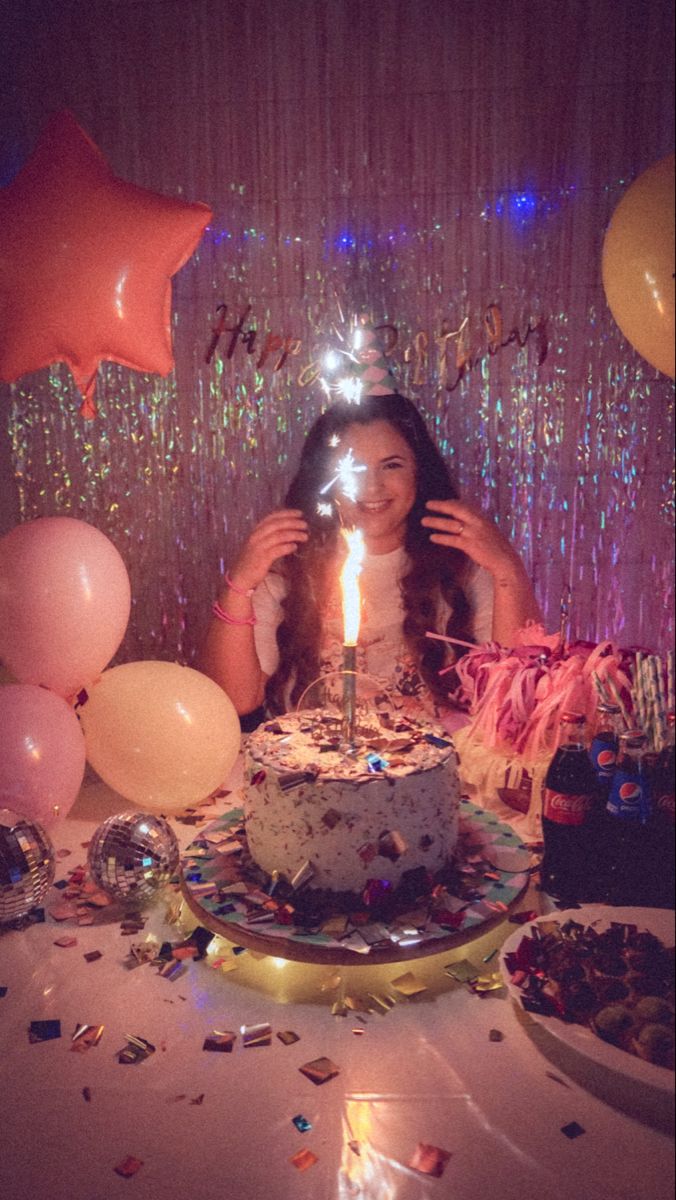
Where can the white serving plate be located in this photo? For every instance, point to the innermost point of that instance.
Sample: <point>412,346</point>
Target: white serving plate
<point>658,921</point>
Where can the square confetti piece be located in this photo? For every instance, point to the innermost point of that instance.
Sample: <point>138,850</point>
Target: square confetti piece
<point>572,1130</point>
<point>288,1037</point>
<point>92,956</point>
<point>223,1042</point>
<point>3,992</point>
<point>409,984</point>
<point>430,1160</point>
<point>463,971</point>
<point>256,1035</point>
<point>303,1159</point>
<point>495,1035</point>
<point>128,1167</point>
<point>44,1031</point>
<point>302,1124</point>
<point>65,942</point>
<point>320,1070</point>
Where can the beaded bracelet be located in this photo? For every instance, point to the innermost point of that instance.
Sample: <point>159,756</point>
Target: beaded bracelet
<point>234,588</point>
<point>222,615</point>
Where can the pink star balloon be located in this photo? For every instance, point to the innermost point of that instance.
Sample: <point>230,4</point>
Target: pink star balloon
<point>86,261</point>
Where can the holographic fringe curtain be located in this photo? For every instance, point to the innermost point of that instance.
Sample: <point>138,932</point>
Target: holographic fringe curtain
<point>424,159</point>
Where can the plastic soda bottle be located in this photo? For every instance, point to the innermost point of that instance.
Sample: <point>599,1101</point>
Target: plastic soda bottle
<point>569,815</point>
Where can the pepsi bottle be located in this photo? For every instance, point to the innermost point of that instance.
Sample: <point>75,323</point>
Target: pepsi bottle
<point>605,744</point>
<point>626,840</point>
<point>569,814</point>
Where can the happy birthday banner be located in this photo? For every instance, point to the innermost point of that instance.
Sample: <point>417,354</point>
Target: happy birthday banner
<point>453,358</point>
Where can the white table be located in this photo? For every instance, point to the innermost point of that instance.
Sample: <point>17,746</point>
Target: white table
<point>426,1071</point>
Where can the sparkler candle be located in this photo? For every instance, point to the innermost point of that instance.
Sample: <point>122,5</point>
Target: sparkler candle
<point>349,583</point>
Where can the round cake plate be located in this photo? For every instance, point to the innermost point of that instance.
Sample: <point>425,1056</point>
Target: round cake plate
<point>206,870</point>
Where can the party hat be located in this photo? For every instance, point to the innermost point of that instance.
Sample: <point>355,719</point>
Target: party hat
<point>369,365</point>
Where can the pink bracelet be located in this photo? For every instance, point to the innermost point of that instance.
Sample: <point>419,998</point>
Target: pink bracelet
<point>240,591</point>
<point>222,615</point>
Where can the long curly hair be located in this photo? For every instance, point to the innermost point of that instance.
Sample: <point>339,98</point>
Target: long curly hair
<point>435,571</point>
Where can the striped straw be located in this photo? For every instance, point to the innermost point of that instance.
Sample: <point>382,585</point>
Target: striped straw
<point>670,681</point>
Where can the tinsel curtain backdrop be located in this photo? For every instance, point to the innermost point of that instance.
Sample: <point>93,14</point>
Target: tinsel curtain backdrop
<point>432,162</point>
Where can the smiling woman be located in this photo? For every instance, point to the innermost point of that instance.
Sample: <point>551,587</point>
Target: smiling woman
<point>432,563</point>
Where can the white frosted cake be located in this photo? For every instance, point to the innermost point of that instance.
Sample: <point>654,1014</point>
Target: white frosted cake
<point>341,818</point>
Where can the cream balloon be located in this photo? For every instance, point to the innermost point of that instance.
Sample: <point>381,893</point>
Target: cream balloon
<point>160,734</point>
<point>638,265</point>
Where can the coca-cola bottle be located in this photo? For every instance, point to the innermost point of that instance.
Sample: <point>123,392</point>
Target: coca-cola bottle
<point>626,837</point>
<point>569,816</point>
<point>661,878</point>
<point>605,744</point>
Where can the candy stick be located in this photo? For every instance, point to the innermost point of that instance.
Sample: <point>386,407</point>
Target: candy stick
<point>670,699</point>
<point>602,693</point>
<point>638,694</point>
<point>661,703</point>
<point>615,695</point>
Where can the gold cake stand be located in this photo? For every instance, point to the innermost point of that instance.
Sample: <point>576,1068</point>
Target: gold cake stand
<point>199,874</point>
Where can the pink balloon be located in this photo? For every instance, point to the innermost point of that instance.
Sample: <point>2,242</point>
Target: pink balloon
<point>43,753</point>
<point>64,602</point>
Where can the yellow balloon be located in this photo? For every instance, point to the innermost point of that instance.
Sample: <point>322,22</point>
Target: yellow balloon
<point>638,265</point>
<point>160,734</point>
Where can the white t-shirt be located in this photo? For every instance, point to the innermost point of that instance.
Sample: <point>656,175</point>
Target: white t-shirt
<point>382,652</point>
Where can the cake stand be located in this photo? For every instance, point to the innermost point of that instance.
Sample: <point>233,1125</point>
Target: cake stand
<point>214,886</point>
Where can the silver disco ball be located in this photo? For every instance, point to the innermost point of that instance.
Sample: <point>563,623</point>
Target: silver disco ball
<point>26,865</point>
<point>133,855</point>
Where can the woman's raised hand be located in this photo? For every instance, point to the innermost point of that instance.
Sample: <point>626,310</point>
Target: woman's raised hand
<point>458,525</point>
<point>276,535</point>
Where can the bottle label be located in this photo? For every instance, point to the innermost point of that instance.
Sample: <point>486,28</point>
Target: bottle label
<point>566,809</point>
<point>628,798</point>
<point>603,757</point>
<point>666,805</point>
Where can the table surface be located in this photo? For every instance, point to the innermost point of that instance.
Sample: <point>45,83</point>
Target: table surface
<point>219,1126</point>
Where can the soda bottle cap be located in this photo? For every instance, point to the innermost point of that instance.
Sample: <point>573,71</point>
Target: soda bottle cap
<point>573,718</point>
<point>633,737</point>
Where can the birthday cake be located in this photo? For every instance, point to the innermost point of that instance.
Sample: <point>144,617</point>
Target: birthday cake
<point>340,816</point>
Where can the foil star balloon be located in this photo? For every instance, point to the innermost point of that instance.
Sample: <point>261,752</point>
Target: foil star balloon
<point>86,261</point>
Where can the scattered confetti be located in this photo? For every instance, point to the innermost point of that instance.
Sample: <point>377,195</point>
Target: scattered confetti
<point>136,1050</point>
<point>3,991</point>
<point>128,1167</point>
<point>430,1160</point>
<point>288,1037</point>
<point>495,1035</point>
<point>222,1041</point>
<point>92,956</point>
<point>408,984</point>
<point>463,971</point>
<point>303,1159</point>
<point>172,970</point>
<point>87,1094</point>
<point>256,1035</point>
<point>302,1124</point>
<point>198,1099</point>
<point>320,1070</point>
<point>65,942</point>
<point>86,1036</point>
<point>44,1031</point>
<point>572,1130</point>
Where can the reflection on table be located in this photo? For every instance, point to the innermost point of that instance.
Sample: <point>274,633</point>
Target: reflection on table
<point>431,1088</point>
